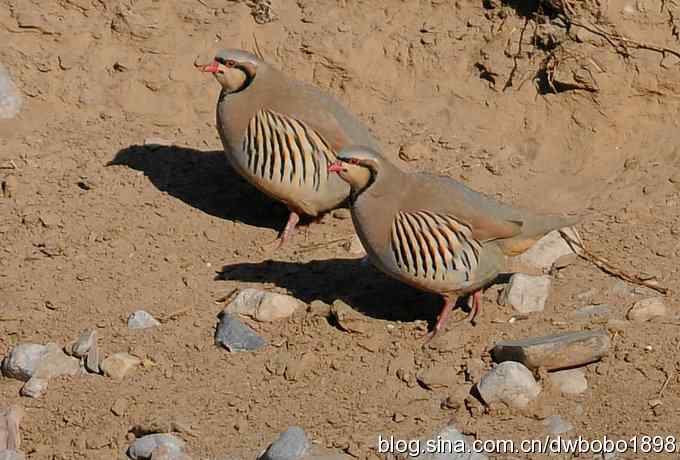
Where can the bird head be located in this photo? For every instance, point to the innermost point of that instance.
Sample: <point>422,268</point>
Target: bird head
<point>234,69</point>
<point>358,166</point>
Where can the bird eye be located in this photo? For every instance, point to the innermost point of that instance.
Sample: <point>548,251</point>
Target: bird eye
<point>230,63</point>
<point>354,161</point>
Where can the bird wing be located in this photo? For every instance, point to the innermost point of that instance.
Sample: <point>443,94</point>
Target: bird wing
<point>486,218</point>
<point>325,115</point>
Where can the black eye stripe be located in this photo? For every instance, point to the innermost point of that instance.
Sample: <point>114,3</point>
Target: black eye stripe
<point>220,60</point>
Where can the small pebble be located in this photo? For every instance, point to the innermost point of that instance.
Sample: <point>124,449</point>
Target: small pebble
<point>647,309</point>
<point>10,97</point>
<point>22,361</point>
<point>264,306</point>
<point>292,444</point>
<point>510,383</point>
<point>526,293</point>
<point>143,447</point>
<point>570,381</point>
<point>342,214</point>
<point>119,365</point>
<point>142,320</point>
<point>557,425</point>
<point>233,335</point>
<point>35,388</point>
<point>87,339</point>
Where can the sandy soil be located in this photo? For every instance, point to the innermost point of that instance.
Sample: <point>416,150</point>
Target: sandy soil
<point>101,226</point>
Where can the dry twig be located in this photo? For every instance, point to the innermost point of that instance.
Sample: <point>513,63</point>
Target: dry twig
<point>607,267</point>
<point>613,38</point>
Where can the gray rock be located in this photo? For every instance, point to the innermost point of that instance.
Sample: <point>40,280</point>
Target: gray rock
<point>233,335</point>
<point>87,340</point>
<point>292,444</point>
<point>547,250</point>
<point>510,383</point>
<point>554,352</point>
<point>526,293</point>
<point>263,306</point>
<point>93,360</point>
<point>557,425</point>
<point>11,455</point>
<point>10,98</point>
<point>570,381</point>
<point>55,363</point>
<point>34,388</point>
<point>142,320</point>
<point>143,448</point>
<point>22,361</point>
<point>455,446</point>
<point>647,309</point>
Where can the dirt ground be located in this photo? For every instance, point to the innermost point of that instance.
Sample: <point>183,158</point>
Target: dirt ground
<point>504,97</point>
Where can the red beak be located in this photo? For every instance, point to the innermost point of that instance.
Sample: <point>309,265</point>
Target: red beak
<point>335,167</point>
<point>213,67</point>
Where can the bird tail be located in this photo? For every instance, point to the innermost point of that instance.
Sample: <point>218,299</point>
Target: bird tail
<point>533,229</point>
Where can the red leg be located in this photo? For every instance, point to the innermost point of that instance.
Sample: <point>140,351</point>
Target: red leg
<point>476,306</point>
<point>449,303</point>
<point>288,231</point>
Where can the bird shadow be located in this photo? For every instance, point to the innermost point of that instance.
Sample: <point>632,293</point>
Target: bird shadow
<point>203,180</point>
<point>358,284</point>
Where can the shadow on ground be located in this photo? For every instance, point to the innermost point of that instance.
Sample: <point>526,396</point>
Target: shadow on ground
<point>204,180</point>
<point>359,284</point>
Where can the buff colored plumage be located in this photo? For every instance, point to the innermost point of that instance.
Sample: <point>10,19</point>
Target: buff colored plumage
<point>433,232</point>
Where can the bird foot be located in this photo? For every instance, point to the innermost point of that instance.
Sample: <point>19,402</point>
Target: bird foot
<point>287,233</point>
<point>475,304</point>
<point>475,301</point>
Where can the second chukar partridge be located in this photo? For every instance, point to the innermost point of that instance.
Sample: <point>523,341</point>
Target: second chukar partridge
<point>281,134</point>
<point>433,232</point>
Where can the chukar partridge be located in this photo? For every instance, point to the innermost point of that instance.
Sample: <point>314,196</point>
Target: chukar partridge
<point>433,232</point>
<point>281,134</point>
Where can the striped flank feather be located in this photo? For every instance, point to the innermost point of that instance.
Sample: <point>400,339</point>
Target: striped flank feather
<point>284,150</point>
<point>431,246</point>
